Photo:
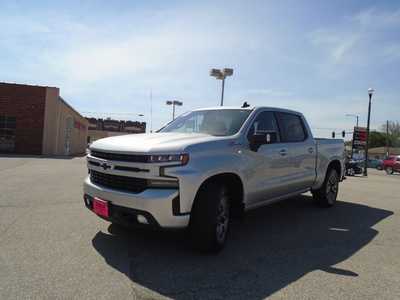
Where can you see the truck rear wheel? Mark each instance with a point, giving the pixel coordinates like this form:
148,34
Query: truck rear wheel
327,194
209,222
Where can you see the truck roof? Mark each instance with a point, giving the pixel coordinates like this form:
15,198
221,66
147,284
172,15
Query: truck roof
249,108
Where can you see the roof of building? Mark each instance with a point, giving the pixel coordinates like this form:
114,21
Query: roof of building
42,86
25,84
382,150
73,109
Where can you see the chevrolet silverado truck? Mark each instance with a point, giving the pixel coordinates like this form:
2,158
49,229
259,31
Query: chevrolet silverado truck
208,166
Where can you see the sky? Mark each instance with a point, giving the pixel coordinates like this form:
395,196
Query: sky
107,57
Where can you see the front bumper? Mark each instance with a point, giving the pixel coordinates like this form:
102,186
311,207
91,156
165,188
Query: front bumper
159,205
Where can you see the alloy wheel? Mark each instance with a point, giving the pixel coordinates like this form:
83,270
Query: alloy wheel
223,215
332,187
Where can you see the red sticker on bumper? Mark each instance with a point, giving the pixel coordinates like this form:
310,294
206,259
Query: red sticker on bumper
100,207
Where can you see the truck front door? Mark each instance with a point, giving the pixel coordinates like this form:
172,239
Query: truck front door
267,167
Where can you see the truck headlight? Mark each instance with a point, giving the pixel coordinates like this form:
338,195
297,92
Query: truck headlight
181,159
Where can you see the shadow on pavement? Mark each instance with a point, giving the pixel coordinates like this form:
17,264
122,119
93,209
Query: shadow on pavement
273,247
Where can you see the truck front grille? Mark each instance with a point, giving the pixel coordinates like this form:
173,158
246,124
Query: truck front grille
120,157
122,183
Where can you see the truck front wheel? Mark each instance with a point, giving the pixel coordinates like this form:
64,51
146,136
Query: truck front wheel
209,222
327,194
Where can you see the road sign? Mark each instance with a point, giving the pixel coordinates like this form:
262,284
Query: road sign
359,137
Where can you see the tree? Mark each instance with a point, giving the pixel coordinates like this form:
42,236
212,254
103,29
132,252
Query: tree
377,139
394,128
394,133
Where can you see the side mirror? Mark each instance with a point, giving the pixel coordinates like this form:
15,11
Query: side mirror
262,138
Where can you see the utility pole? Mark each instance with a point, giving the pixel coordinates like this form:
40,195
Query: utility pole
387,138
151,110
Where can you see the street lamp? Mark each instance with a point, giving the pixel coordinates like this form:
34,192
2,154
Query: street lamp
173,103
353,115
370,93
221,75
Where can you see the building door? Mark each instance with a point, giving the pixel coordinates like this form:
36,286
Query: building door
7,133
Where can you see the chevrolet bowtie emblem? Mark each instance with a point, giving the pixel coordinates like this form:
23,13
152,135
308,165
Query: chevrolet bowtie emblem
105,166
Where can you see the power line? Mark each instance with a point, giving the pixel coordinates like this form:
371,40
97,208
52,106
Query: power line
317,128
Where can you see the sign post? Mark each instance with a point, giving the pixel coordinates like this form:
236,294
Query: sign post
359,139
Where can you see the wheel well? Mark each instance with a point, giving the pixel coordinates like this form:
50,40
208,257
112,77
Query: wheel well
235,188
335,164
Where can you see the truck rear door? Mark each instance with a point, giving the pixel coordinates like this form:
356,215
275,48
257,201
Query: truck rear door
298,147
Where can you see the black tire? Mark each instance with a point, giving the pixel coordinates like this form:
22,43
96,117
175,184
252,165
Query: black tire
389,170
210,218
350,172
327,194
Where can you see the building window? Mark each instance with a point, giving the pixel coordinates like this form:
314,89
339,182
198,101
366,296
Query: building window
7,133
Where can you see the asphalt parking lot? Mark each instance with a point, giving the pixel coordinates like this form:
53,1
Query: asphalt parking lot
51,246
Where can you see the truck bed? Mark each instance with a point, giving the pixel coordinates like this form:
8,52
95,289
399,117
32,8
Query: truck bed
327,150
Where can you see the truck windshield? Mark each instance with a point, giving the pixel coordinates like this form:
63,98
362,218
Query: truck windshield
219,122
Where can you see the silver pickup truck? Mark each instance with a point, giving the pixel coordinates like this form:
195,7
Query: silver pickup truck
209,166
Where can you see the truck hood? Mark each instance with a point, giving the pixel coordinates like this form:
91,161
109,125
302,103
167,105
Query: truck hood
159,143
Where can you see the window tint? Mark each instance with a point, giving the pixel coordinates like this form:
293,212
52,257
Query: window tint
264,122
291,127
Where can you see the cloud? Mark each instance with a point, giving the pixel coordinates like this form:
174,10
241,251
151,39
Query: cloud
107,61
338,45
392,52
268,92
359,39
371,17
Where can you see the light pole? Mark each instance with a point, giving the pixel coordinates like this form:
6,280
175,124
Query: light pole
221,75
173,103
370,93
142,115
352,145
353,115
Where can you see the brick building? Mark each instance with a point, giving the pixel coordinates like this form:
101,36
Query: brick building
101,128
36,120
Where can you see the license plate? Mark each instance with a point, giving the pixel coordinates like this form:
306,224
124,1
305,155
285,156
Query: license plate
100,207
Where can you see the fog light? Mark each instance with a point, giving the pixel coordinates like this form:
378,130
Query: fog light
142,219
87,200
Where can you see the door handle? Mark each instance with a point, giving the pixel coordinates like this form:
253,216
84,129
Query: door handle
283,152
310,150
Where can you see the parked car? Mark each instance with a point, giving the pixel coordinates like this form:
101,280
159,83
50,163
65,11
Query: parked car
209,166
392,164
354,167
375,163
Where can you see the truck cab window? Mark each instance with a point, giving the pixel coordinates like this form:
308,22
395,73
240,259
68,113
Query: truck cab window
292,127
264,122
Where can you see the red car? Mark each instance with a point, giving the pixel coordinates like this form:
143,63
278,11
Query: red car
392,164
